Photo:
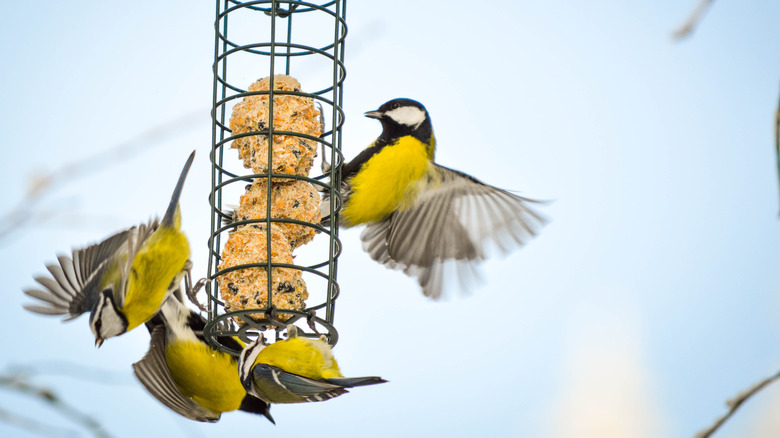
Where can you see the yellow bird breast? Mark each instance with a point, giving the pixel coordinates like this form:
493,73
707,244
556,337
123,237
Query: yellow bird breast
160,260
306,357
386,181
208,377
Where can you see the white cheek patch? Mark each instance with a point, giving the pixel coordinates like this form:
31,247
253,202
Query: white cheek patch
111,323
247,359
408,115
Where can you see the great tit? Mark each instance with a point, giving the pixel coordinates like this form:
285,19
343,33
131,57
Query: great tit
123,280
294,370
419,214
186,374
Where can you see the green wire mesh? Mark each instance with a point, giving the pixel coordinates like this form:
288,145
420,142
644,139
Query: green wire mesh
305,40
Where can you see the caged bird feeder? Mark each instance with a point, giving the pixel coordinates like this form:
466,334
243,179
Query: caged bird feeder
249,286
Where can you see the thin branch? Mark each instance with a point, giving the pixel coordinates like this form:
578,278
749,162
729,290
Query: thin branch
17,383
15,218
734,404
777,138
22,213
33,425
687,28
72,370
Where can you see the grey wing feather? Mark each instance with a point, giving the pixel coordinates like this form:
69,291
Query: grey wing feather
374,238
304,388
453,218
74,283
340,199
89,259
153,373
350,382
43,310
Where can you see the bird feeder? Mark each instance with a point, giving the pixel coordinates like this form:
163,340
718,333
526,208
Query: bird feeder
278,93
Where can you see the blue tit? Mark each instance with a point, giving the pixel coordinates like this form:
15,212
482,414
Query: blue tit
418,214
123,280
186,374
295,370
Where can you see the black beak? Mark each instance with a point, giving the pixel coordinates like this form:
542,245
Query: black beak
374,114
267,415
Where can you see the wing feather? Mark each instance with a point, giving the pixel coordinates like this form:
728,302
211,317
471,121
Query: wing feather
350,382
55,301
74,283
453,218
298,388
65,274
45,310
153,373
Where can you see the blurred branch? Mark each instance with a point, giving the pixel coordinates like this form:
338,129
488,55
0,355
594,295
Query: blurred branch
127,149
33,426
18,383
734,404
687,28
20,215
58,214
73,370
777,139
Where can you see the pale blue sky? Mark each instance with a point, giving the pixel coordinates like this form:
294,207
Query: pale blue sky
650,298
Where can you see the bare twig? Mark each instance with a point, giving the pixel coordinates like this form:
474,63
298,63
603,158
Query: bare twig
127,149
42,184
777,138
734,404
687,28
33,425
72,370
19,384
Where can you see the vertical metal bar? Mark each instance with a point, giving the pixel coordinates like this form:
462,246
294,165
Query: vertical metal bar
341,65
216,175
223,94
212,306
335,172
288,58
269,292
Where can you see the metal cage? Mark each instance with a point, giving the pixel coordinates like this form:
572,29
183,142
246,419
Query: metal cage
269,37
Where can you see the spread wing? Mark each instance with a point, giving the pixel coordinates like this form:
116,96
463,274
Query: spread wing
452,219
275,385
75,282
153,373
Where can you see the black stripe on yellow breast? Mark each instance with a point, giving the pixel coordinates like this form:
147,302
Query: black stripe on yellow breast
350,169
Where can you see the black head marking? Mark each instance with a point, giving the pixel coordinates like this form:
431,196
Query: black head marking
402,117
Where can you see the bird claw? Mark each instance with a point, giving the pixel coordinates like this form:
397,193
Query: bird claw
192,290
310,323
226,325
325,166
281,13
261,339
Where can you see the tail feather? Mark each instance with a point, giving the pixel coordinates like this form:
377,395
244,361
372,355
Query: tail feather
170,214
350,382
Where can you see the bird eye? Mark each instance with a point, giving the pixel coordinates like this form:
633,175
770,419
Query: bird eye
396,105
